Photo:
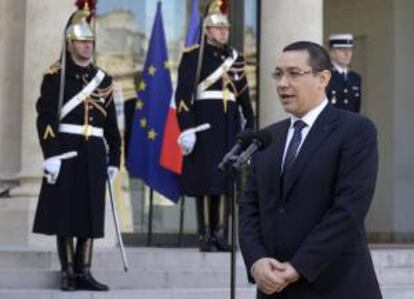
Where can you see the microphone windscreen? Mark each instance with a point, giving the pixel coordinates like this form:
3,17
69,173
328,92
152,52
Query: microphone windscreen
245,137
264,138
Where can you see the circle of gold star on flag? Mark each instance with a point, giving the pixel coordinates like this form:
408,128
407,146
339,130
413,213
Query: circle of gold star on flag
139,105
143,122
152,134
151,70
168,64
142,86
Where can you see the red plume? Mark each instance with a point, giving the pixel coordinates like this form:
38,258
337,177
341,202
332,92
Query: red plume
92,7
224,6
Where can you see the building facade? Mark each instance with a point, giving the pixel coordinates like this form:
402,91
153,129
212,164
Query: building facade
31,34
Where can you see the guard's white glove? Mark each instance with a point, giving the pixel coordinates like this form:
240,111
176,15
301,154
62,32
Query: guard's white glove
186,141
112,173
51,168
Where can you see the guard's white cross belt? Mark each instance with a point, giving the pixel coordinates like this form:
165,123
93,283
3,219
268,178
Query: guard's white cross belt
82,95
218,73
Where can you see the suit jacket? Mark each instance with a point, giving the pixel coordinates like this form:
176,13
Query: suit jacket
313,216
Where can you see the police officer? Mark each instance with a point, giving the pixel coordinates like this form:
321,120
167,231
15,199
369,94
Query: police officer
222,100
344,89
80,142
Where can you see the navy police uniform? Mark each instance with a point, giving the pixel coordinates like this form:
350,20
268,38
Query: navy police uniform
344,91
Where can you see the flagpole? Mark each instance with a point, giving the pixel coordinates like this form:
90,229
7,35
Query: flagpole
181,230
150,216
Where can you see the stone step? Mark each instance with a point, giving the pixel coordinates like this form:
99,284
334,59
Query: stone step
143,258
216,293
396,292
133,279
40,258
393,257
163,278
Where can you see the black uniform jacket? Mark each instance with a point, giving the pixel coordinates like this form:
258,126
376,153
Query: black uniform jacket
200,173
345,93
75,205
313,216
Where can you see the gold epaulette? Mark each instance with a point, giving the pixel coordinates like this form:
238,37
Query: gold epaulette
191,48
54,68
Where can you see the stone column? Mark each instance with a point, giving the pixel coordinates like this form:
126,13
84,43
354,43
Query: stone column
281,23
403,107
12,29
45,21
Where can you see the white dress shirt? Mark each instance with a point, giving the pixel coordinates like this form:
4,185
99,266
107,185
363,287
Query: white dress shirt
309,119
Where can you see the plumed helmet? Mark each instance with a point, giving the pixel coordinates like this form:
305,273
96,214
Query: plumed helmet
78,27
215,15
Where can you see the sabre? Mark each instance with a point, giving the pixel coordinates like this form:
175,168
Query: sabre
116,222
67,155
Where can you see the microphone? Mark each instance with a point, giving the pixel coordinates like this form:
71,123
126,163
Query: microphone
243,139
261,140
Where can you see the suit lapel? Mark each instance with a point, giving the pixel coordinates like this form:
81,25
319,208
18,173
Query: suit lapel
321,129
278,147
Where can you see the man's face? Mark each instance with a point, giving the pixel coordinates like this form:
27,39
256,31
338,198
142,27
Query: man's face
342,56
82,50
218,34
299,88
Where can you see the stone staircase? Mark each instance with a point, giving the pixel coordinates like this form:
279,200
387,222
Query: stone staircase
160,273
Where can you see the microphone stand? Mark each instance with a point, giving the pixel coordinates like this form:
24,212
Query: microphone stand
233,173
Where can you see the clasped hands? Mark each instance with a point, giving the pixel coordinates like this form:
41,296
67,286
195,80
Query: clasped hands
272,276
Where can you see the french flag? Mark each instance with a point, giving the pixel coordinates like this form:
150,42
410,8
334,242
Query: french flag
171,157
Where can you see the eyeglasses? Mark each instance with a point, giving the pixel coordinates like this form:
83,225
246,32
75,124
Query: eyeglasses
291,74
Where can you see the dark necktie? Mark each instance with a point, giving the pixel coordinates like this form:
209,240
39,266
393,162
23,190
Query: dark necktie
292,150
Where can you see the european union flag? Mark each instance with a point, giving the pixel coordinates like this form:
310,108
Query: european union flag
154,95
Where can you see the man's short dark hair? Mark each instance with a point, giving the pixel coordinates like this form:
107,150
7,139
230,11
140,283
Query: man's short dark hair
318,56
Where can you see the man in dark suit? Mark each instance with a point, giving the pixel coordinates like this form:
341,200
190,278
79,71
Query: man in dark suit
344,89
302,216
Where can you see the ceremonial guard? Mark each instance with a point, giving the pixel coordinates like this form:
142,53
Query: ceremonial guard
344,89
221,100
80,141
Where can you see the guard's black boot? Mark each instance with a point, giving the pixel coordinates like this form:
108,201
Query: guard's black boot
87,282
83,259
217,205
65,252
207,243
68,279
220,240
